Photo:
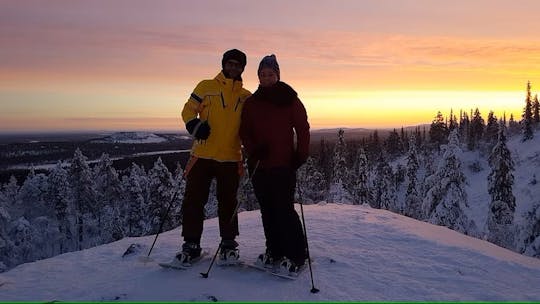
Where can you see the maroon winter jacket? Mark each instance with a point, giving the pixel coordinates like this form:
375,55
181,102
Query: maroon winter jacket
270,118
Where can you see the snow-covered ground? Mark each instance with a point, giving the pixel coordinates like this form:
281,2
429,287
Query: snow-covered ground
360,254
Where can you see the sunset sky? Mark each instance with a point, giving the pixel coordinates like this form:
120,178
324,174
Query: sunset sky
131,65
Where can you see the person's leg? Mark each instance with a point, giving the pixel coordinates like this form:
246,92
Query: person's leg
263,187
227,180
195,197
291,234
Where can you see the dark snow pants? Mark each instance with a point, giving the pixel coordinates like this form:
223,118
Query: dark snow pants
274,189
198,182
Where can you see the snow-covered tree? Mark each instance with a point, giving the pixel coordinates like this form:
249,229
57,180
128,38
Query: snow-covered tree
338,192
311,182
536,110
45,238
11,194
85,199
446,199
527,118
393,144
384,190
109,191
492,130
413,201
178,197
362,191
20,234
438,131
211,207
58,195
502,207
134,209
476,130
162,190
530,233
513,125
5,241
31,196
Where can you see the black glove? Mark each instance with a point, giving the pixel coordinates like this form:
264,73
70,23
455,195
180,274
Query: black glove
199,130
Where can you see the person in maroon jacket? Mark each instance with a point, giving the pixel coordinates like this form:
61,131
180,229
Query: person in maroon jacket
270,119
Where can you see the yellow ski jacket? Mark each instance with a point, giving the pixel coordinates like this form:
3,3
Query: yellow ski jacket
218,101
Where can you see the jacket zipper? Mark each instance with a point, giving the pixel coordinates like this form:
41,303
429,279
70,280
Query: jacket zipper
222,100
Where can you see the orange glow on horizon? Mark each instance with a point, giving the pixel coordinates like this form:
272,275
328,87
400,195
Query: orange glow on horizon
352,66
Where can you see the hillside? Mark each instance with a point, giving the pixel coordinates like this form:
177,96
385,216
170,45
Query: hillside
360,254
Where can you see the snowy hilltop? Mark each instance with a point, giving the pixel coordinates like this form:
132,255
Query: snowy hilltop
359,254
132,138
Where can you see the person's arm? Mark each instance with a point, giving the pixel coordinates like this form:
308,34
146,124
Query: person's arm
301,127
245,129
190,114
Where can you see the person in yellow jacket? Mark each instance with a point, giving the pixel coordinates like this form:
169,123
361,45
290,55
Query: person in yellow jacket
212,116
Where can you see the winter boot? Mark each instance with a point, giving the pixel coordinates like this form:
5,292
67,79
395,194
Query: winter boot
291,268
265,260
190,252
229,254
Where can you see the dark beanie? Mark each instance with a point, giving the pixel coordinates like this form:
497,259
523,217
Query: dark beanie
269,61
234,54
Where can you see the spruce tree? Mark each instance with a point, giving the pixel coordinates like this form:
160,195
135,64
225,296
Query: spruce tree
109,191
503,203
393,144
476,131
530,233
21,236
362,193
85,198
384,190
11,193
5,242
136,196
446,198
340,176
31,200
58,195
311,182
492,130
513,125
527,119
536,111
464,125
161,189
413,201
438,131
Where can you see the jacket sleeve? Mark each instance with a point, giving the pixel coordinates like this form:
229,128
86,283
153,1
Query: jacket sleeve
194,104
245,129
301,127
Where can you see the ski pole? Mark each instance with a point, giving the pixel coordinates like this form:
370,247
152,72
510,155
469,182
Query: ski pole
164,218
313,289
205,274
247,182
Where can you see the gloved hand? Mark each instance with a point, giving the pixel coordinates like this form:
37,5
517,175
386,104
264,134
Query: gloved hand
199,130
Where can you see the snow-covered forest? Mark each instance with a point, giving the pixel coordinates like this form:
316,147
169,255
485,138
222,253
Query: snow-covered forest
475,176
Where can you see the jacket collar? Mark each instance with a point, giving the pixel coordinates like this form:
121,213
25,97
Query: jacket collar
234,83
